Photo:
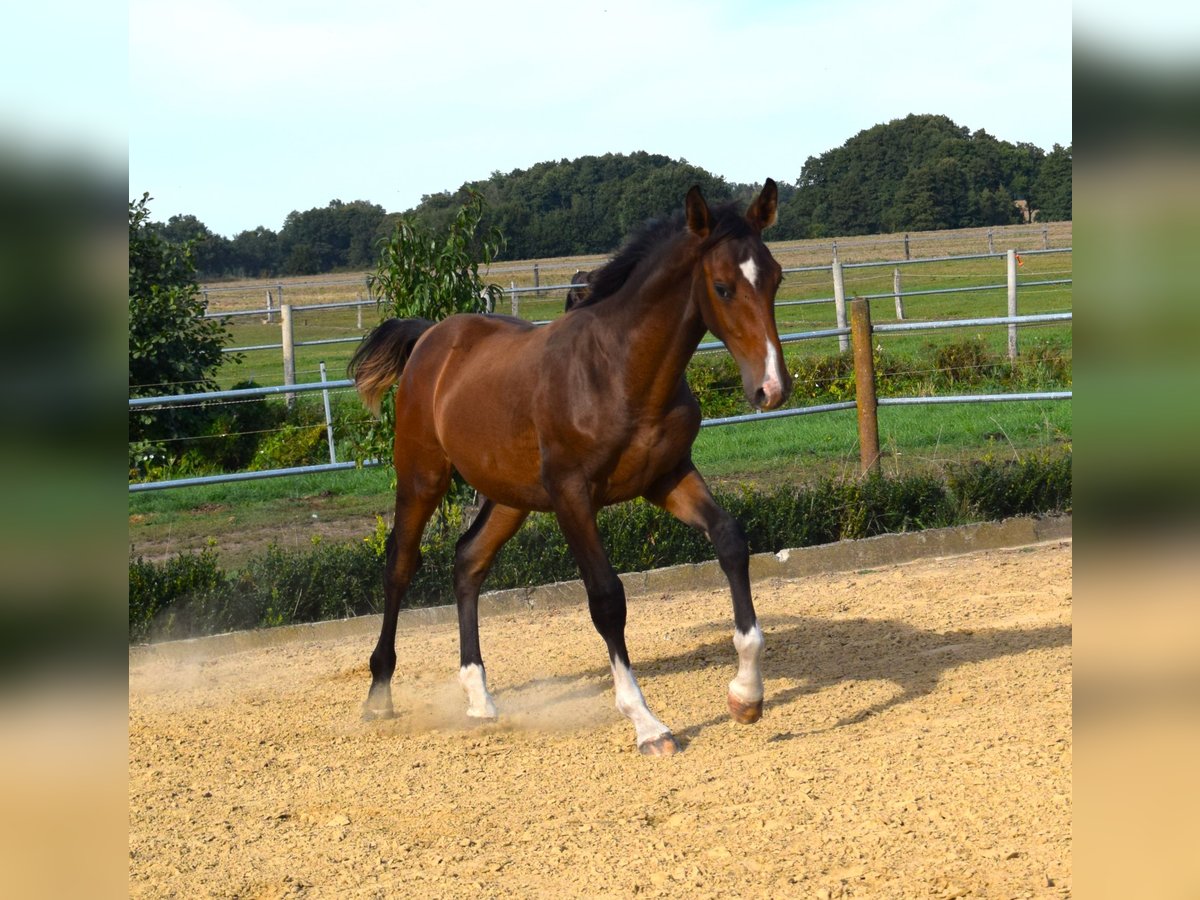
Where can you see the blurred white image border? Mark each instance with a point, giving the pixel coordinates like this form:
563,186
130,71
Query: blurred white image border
1137,642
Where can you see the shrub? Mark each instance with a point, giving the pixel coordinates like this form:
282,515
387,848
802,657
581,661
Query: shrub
292,445
964,363
155,587
1037,483
235,430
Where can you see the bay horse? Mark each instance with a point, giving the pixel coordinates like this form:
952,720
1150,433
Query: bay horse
590,410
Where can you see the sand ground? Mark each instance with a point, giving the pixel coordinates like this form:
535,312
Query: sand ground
916,742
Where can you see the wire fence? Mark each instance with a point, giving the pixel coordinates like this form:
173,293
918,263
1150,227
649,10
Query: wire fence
326,387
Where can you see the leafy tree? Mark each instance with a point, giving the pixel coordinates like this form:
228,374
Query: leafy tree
171,347
211,253
994,207
434,274
1051,192
255,254
586,205
340,235
915,173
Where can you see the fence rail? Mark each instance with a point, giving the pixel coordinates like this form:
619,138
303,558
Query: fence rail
326,386
288,343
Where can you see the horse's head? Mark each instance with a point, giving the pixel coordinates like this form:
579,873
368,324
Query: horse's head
580,285
734,286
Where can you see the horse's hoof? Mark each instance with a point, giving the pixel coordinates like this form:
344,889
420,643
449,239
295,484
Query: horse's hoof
743,712
663,745
371,714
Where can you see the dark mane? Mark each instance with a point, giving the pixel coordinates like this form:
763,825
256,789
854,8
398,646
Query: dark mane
727,224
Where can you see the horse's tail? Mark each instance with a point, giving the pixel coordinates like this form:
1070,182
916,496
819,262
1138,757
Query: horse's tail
377,363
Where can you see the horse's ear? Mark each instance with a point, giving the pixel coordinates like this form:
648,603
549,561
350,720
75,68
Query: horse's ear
698,221
761,213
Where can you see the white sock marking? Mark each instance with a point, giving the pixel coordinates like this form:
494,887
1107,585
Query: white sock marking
479,701
632,704
750,270
747,686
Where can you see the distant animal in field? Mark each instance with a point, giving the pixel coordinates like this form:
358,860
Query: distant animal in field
580,286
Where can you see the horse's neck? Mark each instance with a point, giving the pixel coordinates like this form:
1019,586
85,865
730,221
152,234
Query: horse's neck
661,329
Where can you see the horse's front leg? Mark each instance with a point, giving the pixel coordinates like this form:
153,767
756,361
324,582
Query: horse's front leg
684,494
606,603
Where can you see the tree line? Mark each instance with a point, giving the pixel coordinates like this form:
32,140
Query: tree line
919,173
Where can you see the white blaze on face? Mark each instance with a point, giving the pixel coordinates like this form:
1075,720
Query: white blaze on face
479,701
632,704
748,685
772,373
750,270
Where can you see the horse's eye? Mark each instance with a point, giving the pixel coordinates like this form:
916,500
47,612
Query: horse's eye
722,290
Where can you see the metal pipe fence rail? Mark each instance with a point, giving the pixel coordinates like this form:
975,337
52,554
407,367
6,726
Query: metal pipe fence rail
326,386
515,293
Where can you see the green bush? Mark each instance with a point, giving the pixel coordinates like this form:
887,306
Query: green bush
235,430
180,582
1037,483
292,445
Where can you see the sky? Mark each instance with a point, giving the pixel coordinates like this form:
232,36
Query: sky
241,112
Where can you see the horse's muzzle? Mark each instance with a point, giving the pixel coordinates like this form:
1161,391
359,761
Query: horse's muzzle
772,393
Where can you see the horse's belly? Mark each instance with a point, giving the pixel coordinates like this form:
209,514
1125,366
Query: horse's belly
510,475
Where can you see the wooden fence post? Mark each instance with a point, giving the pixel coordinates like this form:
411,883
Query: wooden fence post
991,242
289,351
906,253
512,285
1012,302
896,291
839,304
864,386
537,280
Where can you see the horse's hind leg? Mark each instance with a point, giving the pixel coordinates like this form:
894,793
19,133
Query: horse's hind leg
473,558
685,495
416,499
